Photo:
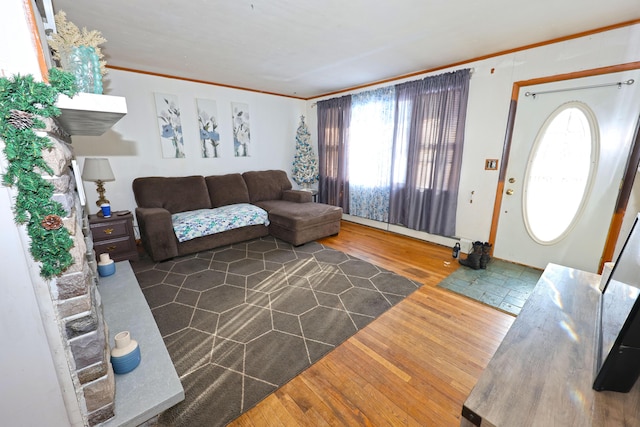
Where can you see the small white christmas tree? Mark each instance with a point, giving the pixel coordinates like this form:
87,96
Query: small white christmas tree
305,163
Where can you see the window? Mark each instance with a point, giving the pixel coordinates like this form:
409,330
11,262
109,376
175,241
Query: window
404,152
560,171
370,153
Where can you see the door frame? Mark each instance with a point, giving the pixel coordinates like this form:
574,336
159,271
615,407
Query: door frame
630,169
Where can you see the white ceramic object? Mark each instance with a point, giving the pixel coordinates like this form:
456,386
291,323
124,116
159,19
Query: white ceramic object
124,344
105,259
106,266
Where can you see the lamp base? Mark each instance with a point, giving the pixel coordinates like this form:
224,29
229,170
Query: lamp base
102,201
100,188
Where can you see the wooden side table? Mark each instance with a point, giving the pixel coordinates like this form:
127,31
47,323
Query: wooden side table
114,236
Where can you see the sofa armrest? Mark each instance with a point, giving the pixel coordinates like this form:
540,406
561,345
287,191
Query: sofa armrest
298,196
156,233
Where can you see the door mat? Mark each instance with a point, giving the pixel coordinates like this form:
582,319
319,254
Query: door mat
502,285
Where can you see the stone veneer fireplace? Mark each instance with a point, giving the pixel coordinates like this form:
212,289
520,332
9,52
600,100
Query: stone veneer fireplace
75,295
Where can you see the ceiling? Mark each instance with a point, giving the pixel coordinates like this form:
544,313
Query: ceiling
305,48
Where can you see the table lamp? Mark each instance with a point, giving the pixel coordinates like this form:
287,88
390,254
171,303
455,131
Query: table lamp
98,171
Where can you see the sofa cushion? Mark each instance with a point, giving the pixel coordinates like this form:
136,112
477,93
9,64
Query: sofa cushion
227,189
266,185
175,194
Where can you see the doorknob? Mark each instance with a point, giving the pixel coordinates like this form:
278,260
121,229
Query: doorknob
509,192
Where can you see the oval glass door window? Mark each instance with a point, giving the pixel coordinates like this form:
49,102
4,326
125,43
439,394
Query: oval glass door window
560,172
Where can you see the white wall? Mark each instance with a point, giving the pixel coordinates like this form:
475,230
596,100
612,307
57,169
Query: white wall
32,393
134,149
18,55
27,368
133,144
489,99
489,104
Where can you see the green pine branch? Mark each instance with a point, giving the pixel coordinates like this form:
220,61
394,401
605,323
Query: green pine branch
23,151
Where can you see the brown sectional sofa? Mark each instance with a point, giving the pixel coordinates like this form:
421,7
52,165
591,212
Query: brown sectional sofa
293,217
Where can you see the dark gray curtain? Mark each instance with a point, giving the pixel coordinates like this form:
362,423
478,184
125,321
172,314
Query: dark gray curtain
429,135
334,116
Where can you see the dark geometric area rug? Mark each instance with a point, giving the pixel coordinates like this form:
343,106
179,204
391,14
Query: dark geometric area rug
503,285
242,320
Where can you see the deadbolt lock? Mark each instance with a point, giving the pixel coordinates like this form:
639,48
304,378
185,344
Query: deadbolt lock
512,180
510,192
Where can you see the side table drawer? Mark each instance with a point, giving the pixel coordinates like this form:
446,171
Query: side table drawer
109,230
116,248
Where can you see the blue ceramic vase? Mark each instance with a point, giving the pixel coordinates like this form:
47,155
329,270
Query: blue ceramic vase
106,266
125,356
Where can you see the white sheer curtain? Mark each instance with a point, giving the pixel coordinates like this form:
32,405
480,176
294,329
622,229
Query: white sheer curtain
370,145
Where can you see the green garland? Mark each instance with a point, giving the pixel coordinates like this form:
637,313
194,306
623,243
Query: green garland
22,101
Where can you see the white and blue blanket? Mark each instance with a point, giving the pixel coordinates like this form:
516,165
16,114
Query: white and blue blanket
203,222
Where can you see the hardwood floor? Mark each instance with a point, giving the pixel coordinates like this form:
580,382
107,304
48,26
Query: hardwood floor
413,366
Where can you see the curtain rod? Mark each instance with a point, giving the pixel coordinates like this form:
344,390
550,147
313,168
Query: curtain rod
619,84
471,71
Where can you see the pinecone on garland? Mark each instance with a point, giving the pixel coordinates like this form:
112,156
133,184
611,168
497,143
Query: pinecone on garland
20,119
51,222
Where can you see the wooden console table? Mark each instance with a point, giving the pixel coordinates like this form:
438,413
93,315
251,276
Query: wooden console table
542,373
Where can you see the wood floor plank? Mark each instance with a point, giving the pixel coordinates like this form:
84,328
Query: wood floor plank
344,411
370,401
379,378
413,366
412,258
316,411
277,411
431,366
310,414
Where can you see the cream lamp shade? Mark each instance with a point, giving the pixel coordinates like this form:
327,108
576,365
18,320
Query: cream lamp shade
99,171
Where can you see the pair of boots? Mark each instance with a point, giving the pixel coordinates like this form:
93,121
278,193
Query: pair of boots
479,256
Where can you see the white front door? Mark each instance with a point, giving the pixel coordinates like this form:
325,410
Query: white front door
568,154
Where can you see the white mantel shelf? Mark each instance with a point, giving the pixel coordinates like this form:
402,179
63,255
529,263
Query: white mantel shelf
90,114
